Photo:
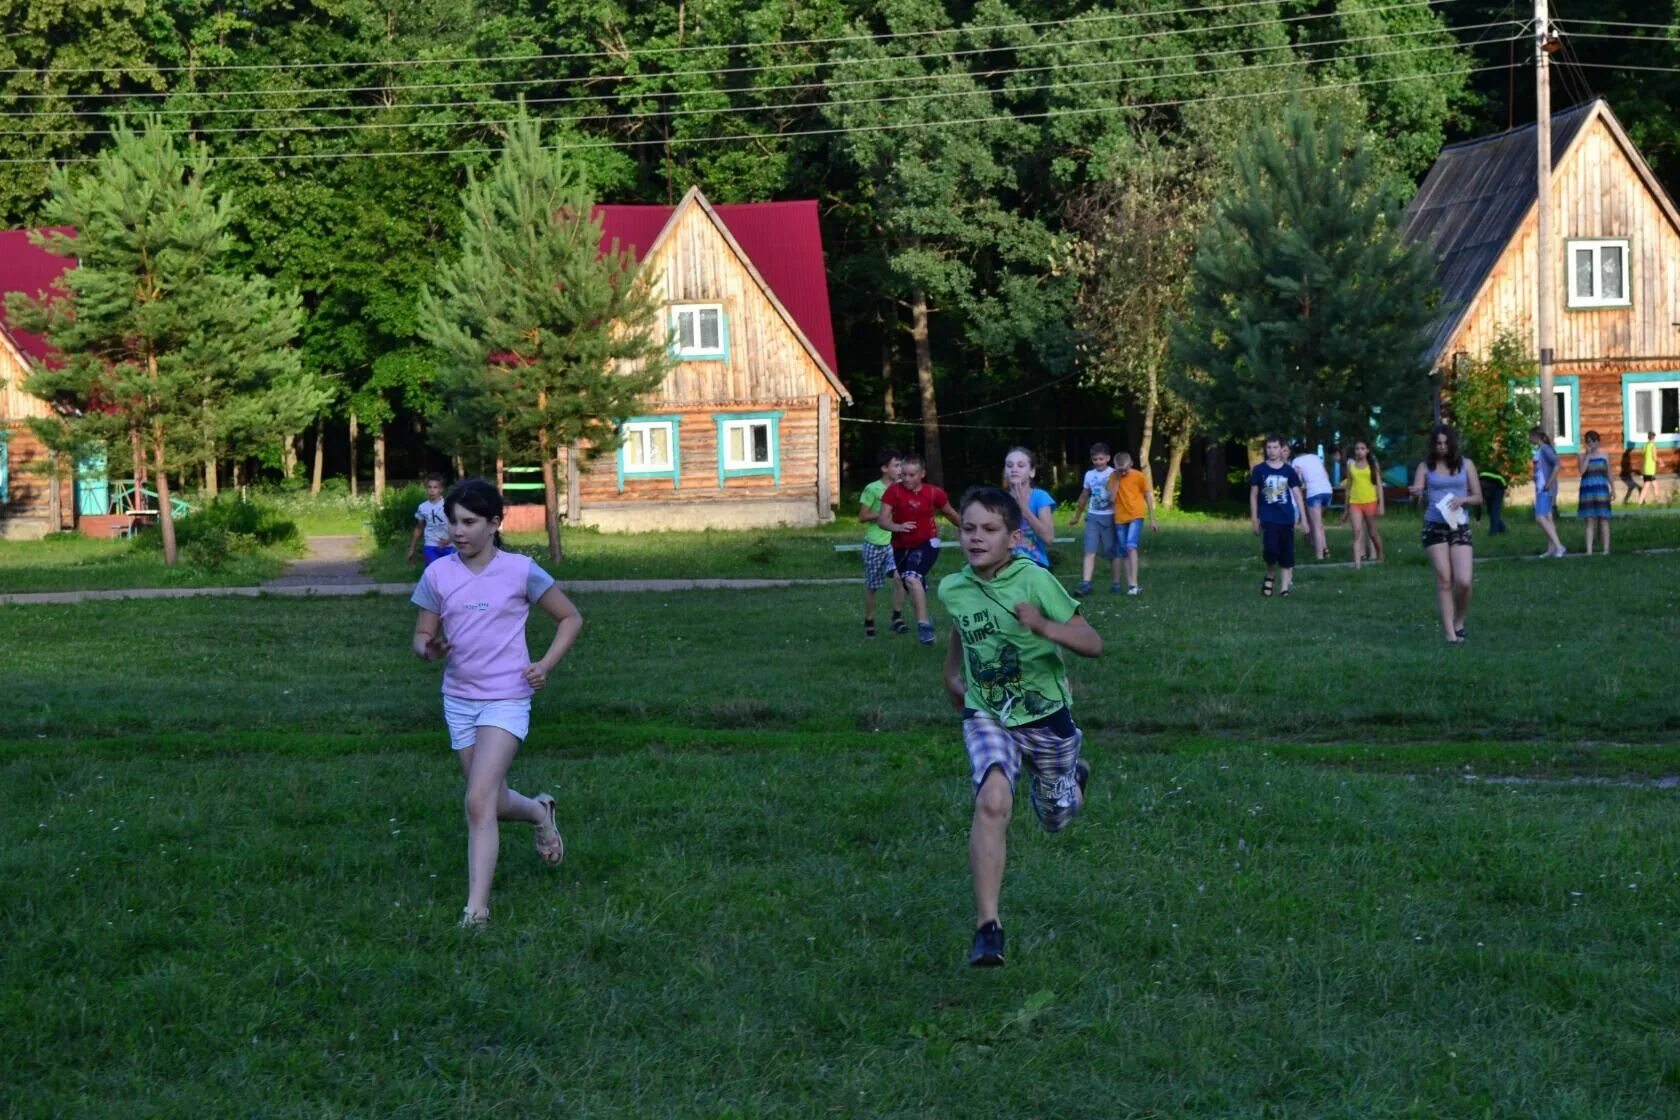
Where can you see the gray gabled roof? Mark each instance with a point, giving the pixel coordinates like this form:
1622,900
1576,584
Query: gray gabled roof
1473,202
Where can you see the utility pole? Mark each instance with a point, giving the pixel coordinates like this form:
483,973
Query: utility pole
1543,214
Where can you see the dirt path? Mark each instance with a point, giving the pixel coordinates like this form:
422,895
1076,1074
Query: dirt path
330,561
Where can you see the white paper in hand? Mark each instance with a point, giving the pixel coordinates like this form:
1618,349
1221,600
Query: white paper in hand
1454,518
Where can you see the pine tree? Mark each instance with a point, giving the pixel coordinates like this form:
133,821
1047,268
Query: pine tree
1308,313
548,342
158,339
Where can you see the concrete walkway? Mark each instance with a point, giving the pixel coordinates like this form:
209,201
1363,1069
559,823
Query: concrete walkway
333,567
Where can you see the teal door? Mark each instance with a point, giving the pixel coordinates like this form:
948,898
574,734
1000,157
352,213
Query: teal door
93,488
5,467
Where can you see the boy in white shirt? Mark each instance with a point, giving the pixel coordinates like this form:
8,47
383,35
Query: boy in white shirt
1096,505
431,524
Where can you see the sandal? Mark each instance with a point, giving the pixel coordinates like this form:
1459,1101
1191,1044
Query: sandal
1266,587
550,846
474,921
1284,594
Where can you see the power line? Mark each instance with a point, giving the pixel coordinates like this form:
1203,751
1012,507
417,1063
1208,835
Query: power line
796,86
716,71
632,52
783,136
980,91
1617,23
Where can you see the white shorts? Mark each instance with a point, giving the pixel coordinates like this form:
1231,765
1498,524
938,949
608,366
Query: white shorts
465,717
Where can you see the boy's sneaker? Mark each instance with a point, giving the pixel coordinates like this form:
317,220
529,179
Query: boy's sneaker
924,633
1084,588
899,626
987,951
869,627
1115,587
1133,589
1081,775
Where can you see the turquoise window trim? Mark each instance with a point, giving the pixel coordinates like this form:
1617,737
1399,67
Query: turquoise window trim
721,354
773,468
1633,439
1573,384
673,472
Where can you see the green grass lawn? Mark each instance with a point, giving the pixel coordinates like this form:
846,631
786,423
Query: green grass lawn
68,562
1329,866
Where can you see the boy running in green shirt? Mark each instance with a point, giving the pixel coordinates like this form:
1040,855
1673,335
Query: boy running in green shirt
877,547
1010,620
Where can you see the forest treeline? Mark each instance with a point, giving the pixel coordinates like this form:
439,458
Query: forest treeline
1010,193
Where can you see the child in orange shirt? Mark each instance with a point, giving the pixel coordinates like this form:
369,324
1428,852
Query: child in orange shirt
1133,501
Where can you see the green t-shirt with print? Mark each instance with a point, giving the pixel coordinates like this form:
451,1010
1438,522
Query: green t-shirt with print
870,500
1013,674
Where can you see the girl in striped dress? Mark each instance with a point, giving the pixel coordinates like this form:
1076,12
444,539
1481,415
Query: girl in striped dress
1597,491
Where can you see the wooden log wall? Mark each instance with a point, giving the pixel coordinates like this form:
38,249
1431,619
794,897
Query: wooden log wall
30,485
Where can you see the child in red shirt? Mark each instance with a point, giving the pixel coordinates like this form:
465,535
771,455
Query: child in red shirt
910,511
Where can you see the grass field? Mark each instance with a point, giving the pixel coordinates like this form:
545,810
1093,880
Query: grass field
1329,866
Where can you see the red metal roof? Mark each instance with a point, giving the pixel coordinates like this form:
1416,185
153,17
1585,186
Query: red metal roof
782,239
27,268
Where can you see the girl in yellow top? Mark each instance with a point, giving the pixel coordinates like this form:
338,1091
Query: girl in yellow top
1365,503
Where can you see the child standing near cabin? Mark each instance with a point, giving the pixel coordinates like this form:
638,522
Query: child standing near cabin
1133,501
1096,505
1010,620
910,511
1275,504
473,607
431,528
877,547
1038,508
1598,492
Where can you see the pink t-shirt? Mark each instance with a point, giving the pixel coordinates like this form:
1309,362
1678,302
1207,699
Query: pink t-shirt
484,622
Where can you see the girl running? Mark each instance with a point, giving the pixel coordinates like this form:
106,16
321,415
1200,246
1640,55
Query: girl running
1038,516
1365,503
1598,492
1447,481
481,596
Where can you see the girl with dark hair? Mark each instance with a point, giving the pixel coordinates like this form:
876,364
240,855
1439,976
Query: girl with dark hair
1447,483
473,607
1365,503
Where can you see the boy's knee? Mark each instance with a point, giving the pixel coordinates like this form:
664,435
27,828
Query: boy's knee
995,801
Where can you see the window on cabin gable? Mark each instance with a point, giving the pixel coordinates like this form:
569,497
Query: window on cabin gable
697,330
1598,274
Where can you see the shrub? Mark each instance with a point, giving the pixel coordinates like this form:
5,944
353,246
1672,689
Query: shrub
393,521
219,526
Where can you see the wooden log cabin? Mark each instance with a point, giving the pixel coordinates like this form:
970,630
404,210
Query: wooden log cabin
1616,273
26,506
745,429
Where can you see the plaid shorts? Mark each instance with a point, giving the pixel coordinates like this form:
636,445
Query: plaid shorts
877,565
1048,751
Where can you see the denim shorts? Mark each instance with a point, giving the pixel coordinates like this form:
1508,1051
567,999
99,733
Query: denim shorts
1544,503
1318,501
1099,534
434,552
465,717
915,563
1127,535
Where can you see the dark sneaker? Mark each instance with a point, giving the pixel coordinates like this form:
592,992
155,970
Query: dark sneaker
869,627
1084,588
924,633
899,626
1115,588
987,951
1081,775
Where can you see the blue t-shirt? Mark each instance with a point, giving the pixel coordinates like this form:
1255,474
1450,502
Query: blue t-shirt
1031,546
1277,507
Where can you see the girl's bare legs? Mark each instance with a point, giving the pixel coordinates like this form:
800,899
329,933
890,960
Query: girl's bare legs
1441,563
1315,518
489,801
1463,564
1374,535
1549,527
1358,521
1605,522
1592,525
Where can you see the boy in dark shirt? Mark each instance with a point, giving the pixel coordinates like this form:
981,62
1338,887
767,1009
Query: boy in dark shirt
1275,505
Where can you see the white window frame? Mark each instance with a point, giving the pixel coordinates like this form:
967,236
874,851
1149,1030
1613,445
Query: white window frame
678,311
730,463
639,433
1634,432
1565,438
1597,246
